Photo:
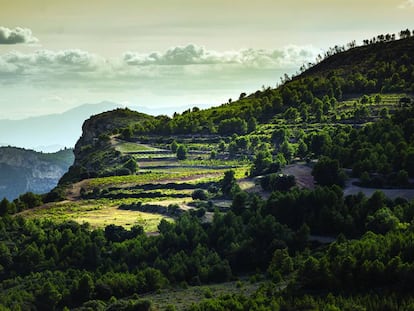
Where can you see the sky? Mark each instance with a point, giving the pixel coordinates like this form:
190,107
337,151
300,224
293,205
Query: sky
56,55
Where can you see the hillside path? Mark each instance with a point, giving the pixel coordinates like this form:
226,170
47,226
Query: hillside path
73,191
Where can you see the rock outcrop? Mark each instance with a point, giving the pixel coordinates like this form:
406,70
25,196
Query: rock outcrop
24,170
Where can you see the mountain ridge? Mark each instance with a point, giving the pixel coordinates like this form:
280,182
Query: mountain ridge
306,92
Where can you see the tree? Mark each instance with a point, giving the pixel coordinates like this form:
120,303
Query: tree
127,133
232,125
261,162
291,114
199,194
382,221
327,172
4,207
402,178
251,124
228,181
132,165
48,297
278,182
240,202
365,99
233,149
287,150
85,288
302,149
30,200
384,113
182,152
280,135
6,258
222,146
378,99
213,154
320,143
174,146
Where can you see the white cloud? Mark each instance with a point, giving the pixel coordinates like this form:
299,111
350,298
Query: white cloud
406,4
189,76
194,64
43,59
16,35
196,55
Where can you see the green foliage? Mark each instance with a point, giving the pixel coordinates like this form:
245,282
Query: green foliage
46,265
28,200
291,114
287,150
228,182
302,149
277,182
7,207
327,172
232,125
174,146
261,163
127,133
131,165
240,202
199,194
182,152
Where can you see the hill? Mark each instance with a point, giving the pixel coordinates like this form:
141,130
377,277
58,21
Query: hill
24,170
340,89
258,190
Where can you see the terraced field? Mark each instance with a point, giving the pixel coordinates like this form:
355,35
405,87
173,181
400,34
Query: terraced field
161,182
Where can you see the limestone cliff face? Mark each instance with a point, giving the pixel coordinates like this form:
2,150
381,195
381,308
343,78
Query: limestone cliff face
105,123
94,154
26,170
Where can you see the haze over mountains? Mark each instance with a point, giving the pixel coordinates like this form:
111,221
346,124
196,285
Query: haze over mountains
26,170
50,133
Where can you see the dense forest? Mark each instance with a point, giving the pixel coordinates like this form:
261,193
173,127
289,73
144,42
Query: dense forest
350,116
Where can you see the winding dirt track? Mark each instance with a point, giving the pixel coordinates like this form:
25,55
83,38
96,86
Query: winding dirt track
73,192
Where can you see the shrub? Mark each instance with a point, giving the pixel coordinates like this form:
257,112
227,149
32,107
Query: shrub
181,152
199,194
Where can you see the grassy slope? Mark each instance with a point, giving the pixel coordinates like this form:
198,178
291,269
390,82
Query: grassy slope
101,212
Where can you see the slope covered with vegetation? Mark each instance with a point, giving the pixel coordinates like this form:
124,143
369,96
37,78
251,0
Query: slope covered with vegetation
229,212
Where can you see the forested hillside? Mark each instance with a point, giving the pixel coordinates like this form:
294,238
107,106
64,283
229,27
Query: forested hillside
293,198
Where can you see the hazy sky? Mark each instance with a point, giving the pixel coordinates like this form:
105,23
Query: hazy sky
55,55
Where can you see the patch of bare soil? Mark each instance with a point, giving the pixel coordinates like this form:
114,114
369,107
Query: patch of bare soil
302,173
251,185
73,191
390,193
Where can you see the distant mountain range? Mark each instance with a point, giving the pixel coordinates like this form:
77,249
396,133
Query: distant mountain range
24,170
52,132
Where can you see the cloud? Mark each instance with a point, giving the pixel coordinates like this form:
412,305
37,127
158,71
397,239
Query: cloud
52,62
192,63
197,55
16,35
406,4
47,58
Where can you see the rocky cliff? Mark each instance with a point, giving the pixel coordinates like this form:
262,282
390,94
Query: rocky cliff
24,170
94,154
